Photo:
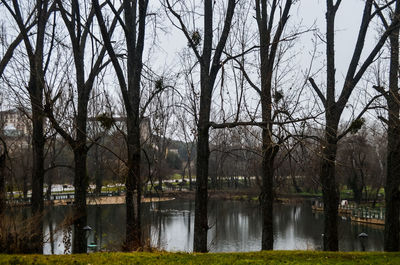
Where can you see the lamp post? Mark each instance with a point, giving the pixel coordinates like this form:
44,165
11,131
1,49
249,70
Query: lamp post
87,230
363,238
91,246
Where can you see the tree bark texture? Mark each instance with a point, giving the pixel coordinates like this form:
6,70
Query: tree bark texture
79,244
37,203
133,189
329,189
203,153
392,193
81,181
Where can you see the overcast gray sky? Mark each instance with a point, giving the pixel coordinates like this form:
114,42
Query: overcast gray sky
306,13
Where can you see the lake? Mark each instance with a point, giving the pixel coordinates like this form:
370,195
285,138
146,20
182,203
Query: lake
235,226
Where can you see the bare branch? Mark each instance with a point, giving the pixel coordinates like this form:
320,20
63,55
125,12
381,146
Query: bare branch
317,90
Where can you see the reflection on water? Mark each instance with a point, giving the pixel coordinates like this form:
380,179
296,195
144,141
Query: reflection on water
235,226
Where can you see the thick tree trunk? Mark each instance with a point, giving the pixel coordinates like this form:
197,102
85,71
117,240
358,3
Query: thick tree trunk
38,142
267,193
200,218
203,154
133,189
329,148
329,190
80,211
268,157
392,193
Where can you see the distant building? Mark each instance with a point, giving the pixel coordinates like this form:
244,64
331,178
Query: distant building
14,123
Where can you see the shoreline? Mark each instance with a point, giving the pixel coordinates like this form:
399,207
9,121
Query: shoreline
110,200
167,195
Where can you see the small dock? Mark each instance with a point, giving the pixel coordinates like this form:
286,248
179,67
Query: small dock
363,215
369,216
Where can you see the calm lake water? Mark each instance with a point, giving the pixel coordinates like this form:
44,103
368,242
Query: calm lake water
235,226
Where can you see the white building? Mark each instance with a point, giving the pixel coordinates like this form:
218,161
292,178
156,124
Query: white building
15,123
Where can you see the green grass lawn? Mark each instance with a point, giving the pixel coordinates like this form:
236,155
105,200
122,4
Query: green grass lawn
265,257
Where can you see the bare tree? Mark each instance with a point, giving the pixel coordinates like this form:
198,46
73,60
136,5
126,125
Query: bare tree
392,185
134,26
334,108
268,51
210,64
35,50
79,33
271,28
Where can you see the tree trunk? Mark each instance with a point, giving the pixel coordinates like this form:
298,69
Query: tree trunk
133,189
38,142
200,218
80,213
392,193
267,193
329,148
329,190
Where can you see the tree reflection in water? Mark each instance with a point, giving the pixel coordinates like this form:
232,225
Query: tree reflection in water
234,226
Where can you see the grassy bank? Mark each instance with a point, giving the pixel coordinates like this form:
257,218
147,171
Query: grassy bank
265,257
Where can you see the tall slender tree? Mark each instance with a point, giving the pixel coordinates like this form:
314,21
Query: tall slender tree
80,34
134,27
269,44
210,64
271,25
35,46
